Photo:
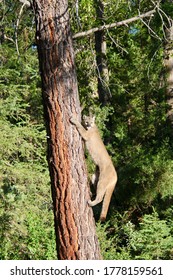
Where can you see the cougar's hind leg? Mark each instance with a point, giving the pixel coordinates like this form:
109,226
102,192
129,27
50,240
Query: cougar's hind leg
106,202
99,195
97,200
95,177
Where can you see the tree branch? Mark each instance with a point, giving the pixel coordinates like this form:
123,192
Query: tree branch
9,39
27,3
112,25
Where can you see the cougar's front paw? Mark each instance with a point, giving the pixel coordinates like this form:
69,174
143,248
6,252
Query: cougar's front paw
90,203
73,120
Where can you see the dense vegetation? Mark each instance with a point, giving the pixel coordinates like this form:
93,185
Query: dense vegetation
133,124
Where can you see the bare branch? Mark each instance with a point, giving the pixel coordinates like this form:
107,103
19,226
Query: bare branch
116,43
112,25
9,39
77,13
27,3
151,31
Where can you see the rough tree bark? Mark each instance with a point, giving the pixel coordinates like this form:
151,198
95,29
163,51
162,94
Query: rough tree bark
74,224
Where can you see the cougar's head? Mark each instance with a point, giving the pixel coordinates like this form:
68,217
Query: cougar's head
89,121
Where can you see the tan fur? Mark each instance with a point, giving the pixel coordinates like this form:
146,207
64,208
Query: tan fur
107,174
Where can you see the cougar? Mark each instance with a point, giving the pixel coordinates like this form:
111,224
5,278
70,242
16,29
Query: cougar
107,175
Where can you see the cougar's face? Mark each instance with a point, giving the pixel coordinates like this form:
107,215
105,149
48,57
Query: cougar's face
88,121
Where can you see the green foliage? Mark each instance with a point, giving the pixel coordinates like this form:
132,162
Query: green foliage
111,243
150,239
41,238
153,240
26,217
27,231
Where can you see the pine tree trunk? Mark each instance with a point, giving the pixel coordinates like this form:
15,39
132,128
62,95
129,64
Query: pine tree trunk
74,224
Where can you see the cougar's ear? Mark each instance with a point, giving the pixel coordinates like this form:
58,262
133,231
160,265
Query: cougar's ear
93,118
82,108
91,113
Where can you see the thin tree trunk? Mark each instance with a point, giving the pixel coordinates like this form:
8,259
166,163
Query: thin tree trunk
169,70
74,224
101,60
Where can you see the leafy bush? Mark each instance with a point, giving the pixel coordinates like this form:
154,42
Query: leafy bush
150,239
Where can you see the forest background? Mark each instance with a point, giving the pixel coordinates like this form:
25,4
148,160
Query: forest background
134,125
